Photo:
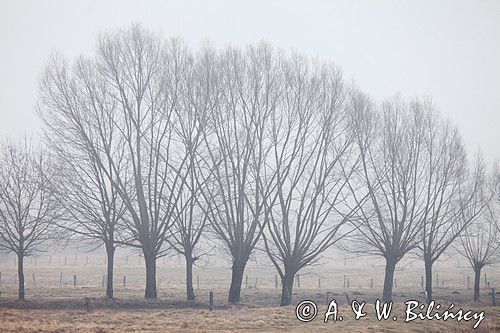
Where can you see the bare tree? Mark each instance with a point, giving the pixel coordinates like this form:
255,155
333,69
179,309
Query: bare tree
128,100
480,244
241,100
28,208
391,143
144,74
74,130
310,162
450,189
191,219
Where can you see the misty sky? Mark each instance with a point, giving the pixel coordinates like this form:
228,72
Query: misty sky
448,50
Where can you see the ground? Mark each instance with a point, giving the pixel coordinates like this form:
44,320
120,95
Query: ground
219,320
59,307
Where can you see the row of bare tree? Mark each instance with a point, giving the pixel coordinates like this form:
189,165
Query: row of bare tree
152,146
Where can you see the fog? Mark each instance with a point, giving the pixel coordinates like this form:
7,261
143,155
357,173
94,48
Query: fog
447,50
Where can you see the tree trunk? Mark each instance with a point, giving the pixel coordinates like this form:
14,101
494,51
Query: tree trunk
390,267
477,280
110,251
189,278
428,279
287,288
20,273
238,269
150,276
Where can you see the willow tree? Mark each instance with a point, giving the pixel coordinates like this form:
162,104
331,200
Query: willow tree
144,75
28,207
129,93
312,157
191,219
242,96
480,244
454,192
77,126
391,145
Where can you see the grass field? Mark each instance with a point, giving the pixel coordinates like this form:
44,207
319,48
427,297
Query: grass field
58,307
239,318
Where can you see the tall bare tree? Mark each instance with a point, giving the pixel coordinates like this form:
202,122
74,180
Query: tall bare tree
130,93
191,219
391,144
310,162
480,244
144,75
75,131
28,208
241,101
454,194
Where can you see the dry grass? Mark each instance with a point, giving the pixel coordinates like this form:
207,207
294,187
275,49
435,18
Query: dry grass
53,307
231,319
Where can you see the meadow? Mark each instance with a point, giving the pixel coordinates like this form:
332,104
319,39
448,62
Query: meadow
56,304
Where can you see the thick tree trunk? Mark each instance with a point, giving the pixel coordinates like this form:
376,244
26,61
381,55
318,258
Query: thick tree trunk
287,288
110,251
189,279
238,269
477,280
428,279
390,267
20,273
150,291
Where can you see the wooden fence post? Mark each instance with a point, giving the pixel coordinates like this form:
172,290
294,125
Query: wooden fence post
347,283
124,281
211,300
275,281
493,297
86,302
60,279
371,283
327,297
468,282
319,283
348,298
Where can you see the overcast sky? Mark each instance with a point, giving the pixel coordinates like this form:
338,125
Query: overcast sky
448,50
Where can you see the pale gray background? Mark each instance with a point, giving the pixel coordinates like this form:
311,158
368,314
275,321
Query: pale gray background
449,50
